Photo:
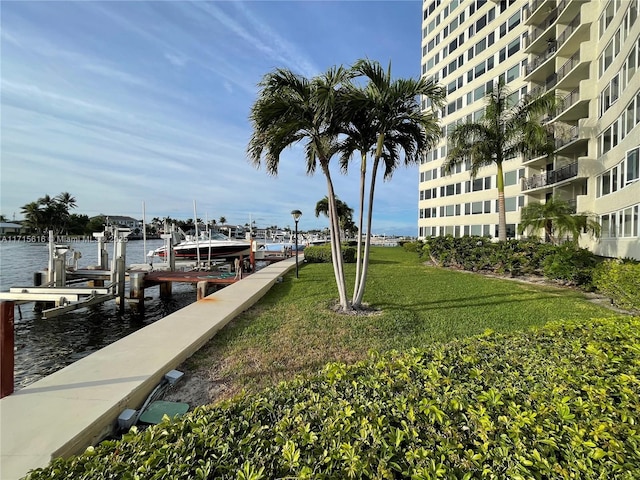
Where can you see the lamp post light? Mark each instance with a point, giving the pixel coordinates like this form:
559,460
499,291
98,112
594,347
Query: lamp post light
296,214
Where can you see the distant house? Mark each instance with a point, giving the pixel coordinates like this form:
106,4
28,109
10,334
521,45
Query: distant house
121,221
7,228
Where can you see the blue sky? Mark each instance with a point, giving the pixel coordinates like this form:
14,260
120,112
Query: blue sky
123,103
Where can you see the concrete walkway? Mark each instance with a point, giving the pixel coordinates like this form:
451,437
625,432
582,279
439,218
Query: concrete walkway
78,406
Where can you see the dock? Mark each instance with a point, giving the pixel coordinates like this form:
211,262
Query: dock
78,406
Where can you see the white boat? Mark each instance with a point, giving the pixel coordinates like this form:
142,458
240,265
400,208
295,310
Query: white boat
210,245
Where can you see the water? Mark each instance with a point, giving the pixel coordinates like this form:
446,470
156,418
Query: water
43,346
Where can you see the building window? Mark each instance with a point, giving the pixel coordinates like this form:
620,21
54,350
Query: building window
514,20
513,47
632,166
503,30
481,46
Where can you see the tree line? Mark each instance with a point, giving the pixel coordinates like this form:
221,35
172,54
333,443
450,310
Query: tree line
54,213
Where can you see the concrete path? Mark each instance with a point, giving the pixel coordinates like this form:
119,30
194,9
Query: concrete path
78,406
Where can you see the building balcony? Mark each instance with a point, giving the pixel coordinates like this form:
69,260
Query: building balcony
542,34
568,8
574,69
570,38
550,178
541,66
572,142
538,10
575,105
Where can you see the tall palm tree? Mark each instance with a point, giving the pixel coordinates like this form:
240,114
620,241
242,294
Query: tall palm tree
66,199
385,119
503,132
33,216
291,109
344,211
557,219
65,202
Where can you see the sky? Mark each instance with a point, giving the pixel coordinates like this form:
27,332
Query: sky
143,106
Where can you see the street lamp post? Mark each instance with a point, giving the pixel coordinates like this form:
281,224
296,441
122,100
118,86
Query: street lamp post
296,214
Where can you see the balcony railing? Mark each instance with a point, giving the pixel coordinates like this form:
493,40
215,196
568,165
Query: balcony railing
549,178
566,33
533,6
542,89
569,65
540,59
572,134
568,101
562,4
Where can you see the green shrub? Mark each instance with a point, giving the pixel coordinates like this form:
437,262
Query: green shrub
412,247
620,281
557,403
514,257
322,254
570,264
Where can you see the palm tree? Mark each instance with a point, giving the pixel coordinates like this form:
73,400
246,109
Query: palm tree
557,219
65,202
291,109
66,199
385,119
345,213
33,216
502,133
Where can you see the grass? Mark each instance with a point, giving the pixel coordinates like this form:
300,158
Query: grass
293,330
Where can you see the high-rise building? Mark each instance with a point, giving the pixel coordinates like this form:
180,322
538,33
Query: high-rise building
588,53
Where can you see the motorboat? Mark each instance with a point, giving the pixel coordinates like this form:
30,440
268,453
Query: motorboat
207,245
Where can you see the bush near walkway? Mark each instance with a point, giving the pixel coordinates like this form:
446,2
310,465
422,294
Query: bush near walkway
565,263
620,281
322,254
558,403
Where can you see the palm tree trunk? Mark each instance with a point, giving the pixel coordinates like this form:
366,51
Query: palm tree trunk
502,217
363,174
336,252
359,295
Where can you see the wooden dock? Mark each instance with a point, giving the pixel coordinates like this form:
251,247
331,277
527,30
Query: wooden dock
216,278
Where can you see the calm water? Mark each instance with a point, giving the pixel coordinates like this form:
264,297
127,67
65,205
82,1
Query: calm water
45,346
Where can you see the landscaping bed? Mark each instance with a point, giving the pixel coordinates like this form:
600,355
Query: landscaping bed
558,402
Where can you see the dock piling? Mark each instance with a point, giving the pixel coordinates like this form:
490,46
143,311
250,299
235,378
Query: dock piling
136,291
202,289
7,340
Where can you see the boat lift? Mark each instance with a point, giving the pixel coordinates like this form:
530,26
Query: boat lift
60,286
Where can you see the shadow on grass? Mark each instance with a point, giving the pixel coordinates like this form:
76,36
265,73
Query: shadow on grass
375,261
474,301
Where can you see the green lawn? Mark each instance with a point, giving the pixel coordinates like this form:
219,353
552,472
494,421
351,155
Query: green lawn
293,330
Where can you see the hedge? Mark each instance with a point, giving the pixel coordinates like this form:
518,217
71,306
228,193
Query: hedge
557,403
620,281
322,254
564,263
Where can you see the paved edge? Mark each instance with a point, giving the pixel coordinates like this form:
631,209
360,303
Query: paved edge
78,406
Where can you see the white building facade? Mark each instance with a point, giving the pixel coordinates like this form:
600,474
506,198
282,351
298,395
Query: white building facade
588,52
